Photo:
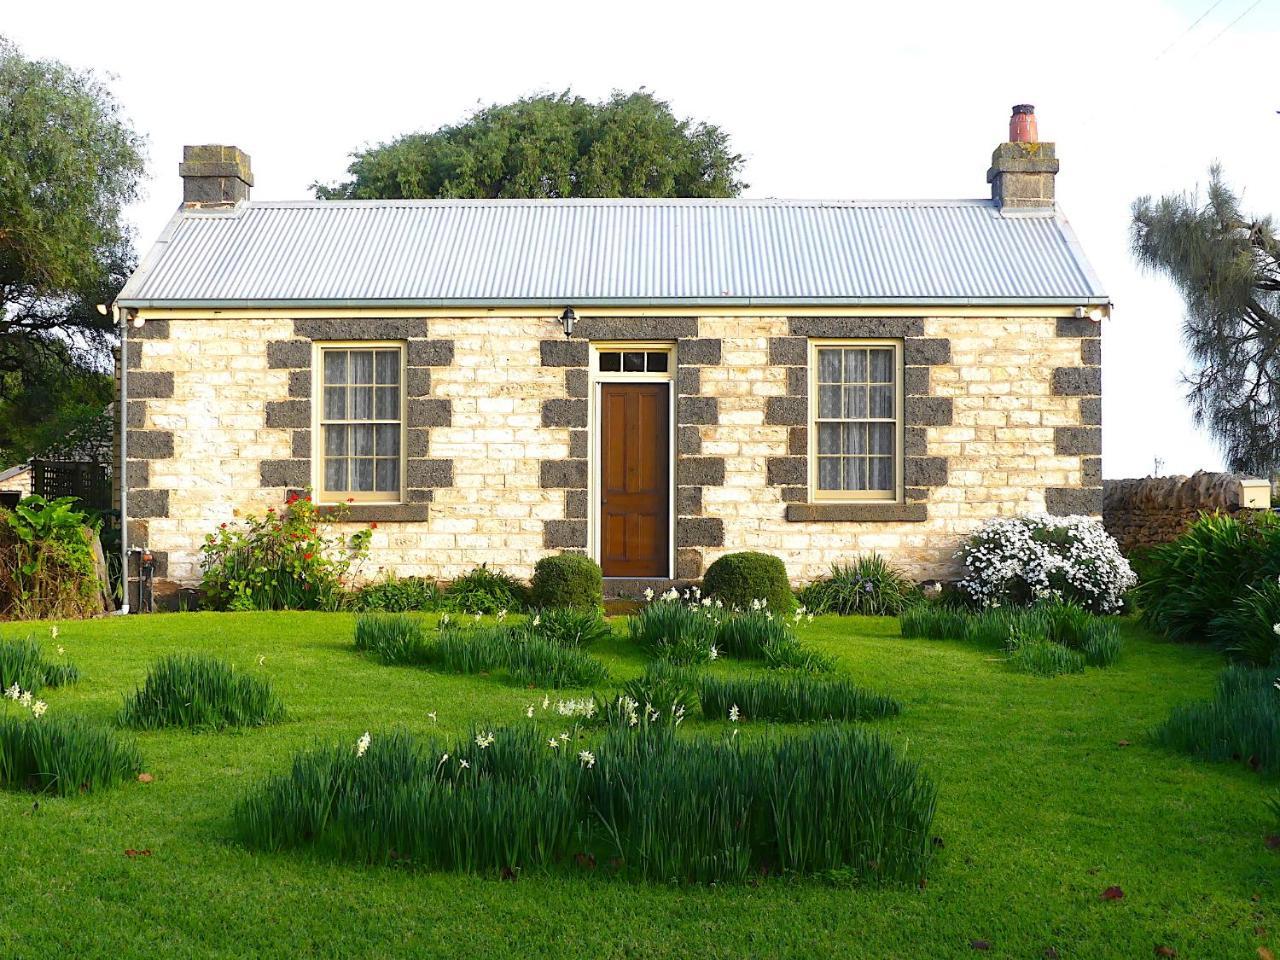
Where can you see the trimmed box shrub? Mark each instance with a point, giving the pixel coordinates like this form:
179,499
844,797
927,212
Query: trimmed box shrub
736,579
567,580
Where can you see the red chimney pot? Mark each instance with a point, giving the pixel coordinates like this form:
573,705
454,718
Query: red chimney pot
1022,125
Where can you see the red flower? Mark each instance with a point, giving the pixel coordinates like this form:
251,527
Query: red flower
373,526
271,509
306,556
223,527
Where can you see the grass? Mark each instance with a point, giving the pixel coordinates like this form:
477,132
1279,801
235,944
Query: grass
1039,808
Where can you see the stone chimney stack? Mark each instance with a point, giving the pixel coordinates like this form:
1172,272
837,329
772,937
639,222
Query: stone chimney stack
214,175
1023,169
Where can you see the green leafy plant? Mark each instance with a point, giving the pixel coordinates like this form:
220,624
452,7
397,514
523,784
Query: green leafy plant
46,561
286,560
487,591
534,660
791,698
736,579
398,595
64,755
1200,575
1240,723
570,626
391,637
567,580
199,691
22,663
870,586
1246,629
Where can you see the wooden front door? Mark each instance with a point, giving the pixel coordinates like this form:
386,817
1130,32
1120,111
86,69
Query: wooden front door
635,479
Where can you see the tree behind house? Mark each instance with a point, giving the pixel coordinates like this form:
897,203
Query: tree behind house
550,146
1227,268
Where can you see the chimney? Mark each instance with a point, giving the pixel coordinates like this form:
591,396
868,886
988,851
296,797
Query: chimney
214,175
1022,170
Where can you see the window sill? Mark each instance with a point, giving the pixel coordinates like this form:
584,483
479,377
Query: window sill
857,512
378,512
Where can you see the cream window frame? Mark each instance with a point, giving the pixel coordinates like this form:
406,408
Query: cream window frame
855,496
318,423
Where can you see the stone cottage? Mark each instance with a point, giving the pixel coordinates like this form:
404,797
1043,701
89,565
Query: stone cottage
651,382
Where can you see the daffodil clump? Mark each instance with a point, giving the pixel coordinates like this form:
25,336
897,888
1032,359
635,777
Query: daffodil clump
22,662
63,755
791,698
200,691
541,650
651,805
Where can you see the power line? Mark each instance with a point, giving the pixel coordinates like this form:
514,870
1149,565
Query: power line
1195,23
1247,11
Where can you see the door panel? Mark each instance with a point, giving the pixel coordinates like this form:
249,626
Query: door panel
635,479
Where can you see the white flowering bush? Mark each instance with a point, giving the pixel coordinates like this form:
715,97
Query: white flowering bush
1023,560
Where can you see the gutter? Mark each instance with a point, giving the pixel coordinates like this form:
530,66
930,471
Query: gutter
589,302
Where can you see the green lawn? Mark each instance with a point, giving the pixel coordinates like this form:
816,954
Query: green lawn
1039,807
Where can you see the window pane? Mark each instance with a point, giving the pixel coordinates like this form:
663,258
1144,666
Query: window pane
610,362
388,405
829,437
335,474
361,403
335,403
335,366
828,473
387,475
882,366
362,475
855,437
633,362
855,401
881,437
828,366
855,366
335,441
362,366
855,473
362,441
658,362
388,364
882,401
881,473
828,401
387,440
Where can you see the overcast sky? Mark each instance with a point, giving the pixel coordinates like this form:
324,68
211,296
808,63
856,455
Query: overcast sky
840,100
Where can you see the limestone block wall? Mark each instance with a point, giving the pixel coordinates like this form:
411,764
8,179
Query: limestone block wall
1149,511
1002,417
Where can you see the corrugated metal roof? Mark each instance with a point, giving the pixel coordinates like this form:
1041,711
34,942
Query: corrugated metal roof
583,252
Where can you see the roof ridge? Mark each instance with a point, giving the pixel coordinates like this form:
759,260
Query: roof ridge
605,202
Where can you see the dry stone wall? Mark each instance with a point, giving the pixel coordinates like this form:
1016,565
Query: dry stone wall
1002,418
1149,511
